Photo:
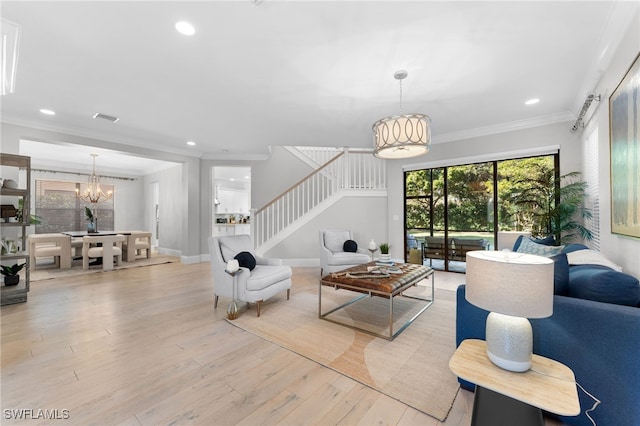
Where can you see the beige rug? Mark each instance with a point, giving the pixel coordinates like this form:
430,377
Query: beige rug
47,272
413,368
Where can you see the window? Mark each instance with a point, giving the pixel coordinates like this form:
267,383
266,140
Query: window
56,203
451,210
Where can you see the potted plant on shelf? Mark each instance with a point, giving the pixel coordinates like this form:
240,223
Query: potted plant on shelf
10,273
384,253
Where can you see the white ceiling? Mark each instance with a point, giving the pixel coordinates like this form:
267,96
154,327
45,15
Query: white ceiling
315,73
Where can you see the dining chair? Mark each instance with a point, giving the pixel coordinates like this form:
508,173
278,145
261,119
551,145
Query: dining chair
57,246
134,244
108,247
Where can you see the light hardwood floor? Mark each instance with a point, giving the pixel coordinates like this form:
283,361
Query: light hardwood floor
144,346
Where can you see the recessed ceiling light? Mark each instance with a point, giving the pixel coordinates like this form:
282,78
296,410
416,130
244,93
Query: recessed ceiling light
191,143
47,111
532,101
185,28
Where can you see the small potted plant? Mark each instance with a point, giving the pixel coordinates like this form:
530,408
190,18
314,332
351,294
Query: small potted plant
10,273
384,253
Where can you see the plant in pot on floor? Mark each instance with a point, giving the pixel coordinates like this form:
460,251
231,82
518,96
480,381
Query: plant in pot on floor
10,273
384,253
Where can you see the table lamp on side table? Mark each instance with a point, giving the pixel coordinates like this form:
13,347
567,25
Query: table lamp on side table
513,287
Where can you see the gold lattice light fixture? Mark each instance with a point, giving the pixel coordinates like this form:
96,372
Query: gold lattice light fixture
404,135
93,193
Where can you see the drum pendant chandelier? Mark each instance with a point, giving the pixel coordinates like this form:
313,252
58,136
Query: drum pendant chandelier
404,135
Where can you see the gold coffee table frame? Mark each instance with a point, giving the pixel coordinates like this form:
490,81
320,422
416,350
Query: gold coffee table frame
389,288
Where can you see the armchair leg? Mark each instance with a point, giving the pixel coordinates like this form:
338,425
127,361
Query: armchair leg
215,301
258,306
288,293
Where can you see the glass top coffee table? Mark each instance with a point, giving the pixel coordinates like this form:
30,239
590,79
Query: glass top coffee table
375,283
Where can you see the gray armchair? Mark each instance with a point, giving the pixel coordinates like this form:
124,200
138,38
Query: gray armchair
332,256
253,286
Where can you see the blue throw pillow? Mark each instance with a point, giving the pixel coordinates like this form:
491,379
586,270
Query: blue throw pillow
246,260
546,241
570,248
560,274
530,247
602,284
350,246
549,240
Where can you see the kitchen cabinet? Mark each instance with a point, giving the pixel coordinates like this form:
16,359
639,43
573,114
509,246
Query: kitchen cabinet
233,201
223,229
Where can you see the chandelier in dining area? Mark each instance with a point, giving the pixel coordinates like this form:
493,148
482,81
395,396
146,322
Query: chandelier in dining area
93,193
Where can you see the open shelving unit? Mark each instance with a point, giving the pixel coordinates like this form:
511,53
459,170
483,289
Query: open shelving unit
18,293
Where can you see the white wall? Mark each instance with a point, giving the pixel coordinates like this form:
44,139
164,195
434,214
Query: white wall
272,177
625,251
365,216
171,207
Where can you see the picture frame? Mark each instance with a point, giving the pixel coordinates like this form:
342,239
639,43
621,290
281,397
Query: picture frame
624,145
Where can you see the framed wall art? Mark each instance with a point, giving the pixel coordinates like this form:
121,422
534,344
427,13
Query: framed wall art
624,119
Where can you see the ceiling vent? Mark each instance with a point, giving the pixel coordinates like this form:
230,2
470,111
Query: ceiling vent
110,118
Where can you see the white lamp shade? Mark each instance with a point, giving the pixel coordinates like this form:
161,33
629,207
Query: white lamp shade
402,136
510,283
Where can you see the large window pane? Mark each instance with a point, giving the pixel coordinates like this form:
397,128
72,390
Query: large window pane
525,195
450,211
56,203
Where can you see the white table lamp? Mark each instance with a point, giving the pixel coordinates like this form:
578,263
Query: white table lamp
513,287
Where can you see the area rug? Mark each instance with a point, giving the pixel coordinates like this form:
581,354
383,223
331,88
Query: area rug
413,368
48,272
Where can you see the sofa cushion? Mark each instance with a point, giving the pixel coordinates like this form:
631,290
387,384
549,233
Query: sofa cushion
246,260
530,247
602,284
350,246
232,245
334,240
573,247
591,257
560,274
346,258
264,276
546,241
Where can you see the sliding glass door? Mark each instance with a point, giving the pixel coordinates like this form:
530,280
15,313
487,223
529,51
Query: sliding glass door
450,211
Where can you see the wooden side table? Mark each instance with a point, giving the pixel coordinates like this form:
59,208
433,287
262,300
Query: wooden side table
504,398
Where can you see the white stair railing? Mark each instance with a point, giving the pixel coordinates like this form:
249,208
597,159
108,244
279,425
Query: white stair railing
348,170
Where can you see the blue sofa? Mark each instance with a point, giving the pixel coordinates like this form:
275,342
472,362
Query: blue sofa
599,341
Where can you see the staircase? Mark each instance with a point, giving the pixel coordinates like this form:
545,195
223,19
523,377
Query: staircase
343,173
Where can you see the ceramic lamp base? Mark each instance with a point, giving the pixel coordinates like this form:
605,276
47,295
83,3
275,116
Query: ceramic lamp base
509,342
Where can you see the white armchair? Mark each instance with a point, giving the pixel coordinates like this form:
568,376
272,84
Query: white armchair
332,256
265,280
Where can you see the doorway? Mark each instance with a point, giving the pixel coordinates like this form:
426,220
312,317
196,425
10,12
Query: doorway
231,205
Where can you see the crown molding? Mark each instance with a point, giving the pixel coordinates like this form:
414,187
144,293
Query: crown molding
511,126
116,139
